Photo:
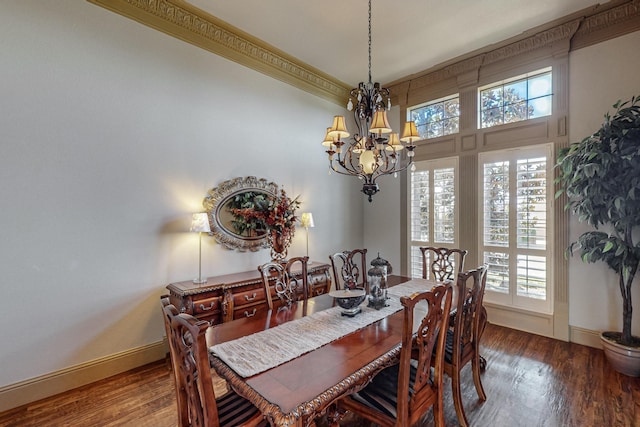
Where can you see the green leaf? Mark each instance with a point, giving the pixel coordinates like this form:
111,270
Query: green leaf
608,246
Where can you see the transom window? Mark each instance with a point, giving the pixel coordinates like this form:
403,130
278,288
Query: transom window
437,118
520,98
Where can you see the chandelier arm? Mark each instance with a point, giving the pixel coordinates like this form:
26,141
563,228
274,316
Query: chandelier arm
380,172
338,171
403,168
352,171
354,166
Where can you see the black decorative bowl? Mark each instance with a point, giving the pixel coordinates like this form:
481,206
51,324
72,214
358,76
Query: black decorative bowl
349,300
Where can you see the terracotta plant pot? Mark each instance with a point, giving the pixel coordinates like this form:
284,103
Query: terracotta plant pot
623,359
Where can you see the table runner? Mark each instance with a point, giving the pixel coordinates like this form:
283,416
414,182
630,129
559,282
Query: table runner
264,350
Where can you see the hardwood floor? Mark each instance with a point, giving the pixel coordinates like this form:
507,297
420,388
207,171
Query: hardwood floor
530,381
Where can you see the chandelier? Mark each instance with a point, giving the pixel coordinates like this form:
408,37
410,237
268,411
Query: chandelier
375,150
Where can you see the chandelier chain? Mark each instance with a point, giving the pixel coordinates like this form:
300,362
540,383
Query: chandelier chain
370,153
370,41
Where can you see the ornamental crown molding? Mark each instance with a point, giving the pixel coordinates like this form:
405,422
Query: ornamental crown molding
610,17
180,19
613,22
186,22
537,41
575,32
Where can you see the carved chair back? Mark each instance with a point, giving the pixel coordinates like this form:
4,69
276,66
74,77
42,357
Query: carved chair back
197,403
168,312
288,287
349,269
463,337
442,264
401,394
429,339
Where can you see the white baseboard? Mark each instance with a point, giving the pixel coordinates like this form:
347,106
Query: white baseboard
14,395
522,320
585,337
542,324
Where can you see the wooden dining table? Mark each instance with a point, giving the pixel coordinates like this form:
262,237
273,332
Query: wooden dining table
299,390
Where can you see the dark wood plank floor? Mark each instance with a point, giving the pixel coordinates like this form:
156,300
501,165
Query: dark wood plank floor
530,381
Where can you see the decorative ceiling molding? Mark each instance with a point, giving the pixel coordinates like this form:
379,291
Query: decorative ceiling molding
617,21
180,19
574,33
542,39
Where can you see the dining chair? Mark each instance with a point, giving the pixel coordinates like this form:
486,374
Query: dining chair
168,311
349,269
197,403
288,287
442,263
463,336
401,394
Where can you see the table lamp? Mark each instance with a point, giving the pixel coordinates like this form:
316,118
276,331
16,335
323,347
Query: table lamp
200,224
306,220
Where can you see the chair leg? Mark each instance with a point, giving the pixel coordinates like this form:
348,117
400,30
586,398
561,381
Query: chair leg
457,398
438,411
483,325
476,366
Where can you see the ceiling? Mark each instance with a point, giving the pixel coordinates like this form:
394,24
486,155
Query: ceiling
408,36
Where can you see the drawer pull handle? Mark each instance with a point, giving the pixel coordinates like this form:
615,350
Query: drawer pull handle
211,306
250,298
247,314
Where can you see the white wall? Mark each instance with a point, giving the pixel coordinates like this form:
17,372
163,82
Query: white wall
599,76
111,133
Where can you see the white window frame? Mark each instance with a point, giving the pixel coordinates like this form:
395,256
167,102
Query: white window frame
511,298
444,99
526,77
430,166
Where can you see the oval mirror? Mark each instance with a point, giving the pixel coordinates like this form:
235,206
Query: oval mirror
222,203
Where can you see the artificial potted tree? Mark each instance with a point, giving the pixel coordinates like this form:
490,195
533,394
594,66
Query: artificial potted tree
601,178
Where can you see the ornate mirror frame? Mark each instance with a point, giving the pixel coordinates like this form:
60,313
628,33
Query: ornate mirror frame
217,202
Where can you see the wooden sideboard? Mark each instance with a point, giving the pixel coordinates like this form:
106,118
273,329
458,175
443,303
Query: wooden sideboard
236,295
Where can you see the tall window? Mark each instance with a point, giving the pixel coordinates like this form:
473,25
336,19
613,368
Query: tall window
515,221
520,98
436,118
433,208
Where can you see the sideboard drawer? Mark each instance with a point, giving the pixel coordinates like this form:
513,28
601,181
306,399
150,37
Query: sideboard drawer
249,297
207,306
249,311
213,319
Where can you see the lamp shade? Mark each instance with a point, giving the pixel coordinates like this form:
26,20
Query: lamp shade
410,133
394,143
306,220
200,223
328,141
339,128
380,124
